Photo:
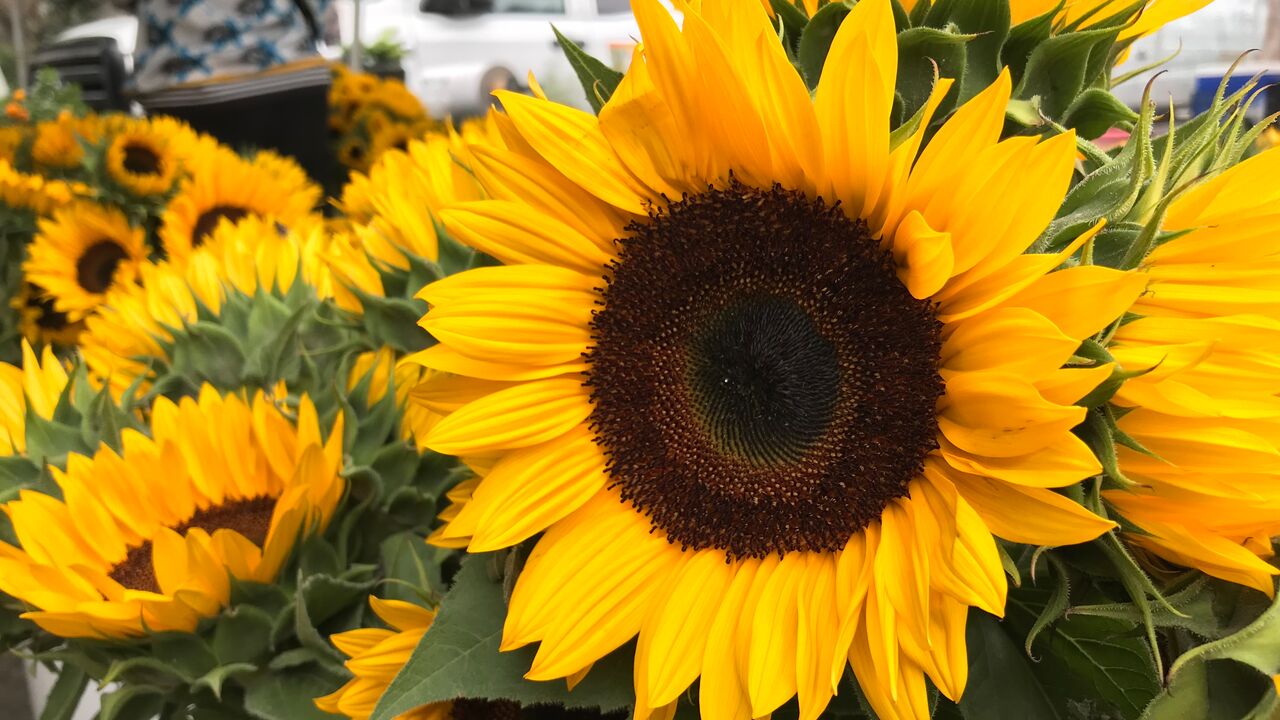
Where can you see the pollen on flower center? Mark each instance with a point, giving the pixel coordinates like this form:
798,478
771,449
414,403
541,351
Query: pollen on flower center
250,518
762,381
97,265
209,219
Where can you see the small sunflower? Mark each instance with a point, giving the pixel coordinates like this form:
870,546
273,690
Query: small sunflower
353,152
147,539
767,385
382,369
223,187
1208,410
81,253
390,200
57,144
40,322
376,655
140,161
36,193
36,385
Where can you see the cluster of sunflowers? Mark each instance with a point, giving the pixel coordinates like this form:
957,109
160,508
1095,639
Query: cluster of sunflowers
826,370
369,115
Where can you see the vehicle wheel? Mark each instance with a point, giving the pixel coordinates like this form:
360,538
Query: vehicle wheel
498,78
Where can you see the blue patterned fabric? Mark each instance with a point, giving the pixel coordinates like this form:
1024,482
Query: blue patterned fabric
187,41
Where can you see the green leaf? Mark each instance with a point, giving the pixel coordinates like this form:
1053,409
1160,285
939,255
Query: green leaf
1255,647
598,80
459,657
1087,657
1023,39
394,322
987,24
242,634
209,352
184,652
1096,111
1061,67
793,22
815,41
132,702
65,696
215,678
287,695
1055,607
920,50
1001,684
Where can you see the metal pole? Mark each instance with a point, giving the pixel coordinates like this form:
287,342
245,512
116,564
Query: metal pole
19,42
357,45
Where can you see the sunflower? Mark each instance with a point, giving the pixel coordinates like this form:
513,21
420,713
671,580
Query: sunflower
36,385
382,369
767,383
148,539
57,144
222,186
11,138
22,191
140,161
135,321
40,322
353,152
1208,410
289,175
390,200
82,252
376,655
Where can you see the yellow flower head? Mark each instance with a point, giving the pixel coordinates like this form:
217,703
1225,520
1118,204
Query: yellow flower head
148,538
376,655
40,322
767,383
1209,409
223,187
140,160
21,191
81,253
57,143
37,385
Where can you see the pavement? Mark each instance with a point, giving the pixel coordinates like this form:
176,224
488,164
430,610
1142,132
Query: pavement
14,704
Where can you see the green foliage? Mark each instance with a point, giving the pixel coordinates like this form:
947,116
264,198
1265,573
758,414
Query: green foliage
459,657
598,80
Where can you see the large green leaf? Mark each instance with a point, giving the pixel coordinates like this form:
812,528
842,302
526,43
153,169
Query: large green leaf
1235,669
1082,658
65,696
459,657
1002,685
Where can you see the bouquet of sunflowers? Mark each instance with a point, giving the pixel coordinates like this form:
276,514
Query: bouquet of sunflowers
828,369
369,115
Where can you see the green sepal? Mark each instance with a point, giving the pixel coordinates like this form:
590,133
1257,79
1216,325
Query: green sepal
986,23
1024,38
1095,111
598,80
924,54
816,39
132,702
394,322
1061,67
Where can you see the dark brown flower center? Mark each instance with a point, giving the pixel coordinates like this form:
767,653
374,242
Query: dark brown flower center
209,219
251,518
762,380
47,316
473,709
97,265
141,160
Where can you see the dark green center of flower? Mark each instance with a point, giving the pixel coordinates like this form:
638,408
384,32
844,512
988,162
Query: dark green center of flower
209,220
141,160
97,265
762,380
250,518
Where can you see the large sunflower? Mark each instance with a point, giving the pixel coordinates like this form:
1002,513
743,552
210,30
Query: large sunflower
140,160
147,539
36,385
376,655
81,253
223,187
768,383
1208,495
